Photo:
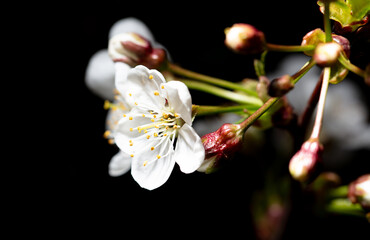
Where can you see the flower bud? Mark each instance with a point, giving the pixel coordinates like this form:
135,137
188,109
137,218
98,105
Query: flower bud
221,145
314,37
280,86
304,163
133,49
245,39
359,191
326,54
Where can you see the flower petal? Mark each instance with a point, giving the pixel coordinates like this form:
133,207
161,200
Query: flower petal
151,171
120,164
142,86
99,76
179,99
121,71
189,152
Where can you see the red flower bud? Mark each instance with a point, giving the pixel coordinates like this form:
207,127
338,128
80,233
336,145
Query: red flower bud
133,49
221,145
245,39
359,191
280,86
304,163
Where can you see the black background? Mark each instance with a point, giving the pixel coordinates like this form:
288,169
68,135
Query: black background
75,192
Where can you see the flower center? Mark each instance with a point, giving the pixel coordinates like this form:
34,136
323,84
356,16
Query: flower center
160,133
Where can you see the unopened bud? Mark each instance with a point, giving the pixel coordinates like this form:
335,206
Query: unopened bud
245,39
326,54
304,163
343,42
313,38
359,191
221,145
280,86
133,49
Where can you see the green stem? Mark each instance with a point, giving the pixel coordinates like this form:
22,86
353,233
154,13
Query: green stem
346,207
327,25
208,110
233,96
252,118
298,75
207,79
339,192
321,104
287,48
353,68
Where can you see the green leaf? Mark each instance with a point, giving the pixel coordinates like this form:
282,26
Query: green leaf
349,13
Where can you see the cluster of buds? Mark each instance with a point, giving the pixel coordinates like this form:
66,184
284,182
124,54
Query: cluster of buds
133,49
304,164
245,39
221,145
359,191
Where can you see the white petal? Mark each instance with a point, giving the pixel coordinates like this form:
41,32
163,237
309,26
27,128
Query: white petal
179,99
131,25
141,86
99,76
120,164
121,71
189,152
149,171
126,132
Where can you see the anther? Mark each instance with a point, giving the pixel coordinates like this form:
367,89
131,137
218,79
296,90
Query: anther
145,163
156,93
150,76
132,155
130,118
158,157
152,148
106,134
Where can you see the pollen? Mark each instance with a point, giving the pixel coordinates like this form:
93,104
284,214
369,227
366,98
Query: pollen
124,115
131,144
162,87
150,76
152,148
152,120
147,136
132,155
156,93
136,103
155,134
131,129
177,115
106,134
130,94
130,118
106,104
145,163
111,141
158,156
143,115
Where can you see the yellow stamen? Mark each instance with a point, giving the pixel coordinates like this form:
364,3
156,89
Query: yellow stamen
150,76
130,118
158,156
111,141
131,129
155,134
106,134
152,148
132,155
106,104
145,163
156,93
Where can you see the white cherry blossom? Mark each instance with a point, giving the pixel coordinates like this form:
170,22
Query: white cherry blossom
157,131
